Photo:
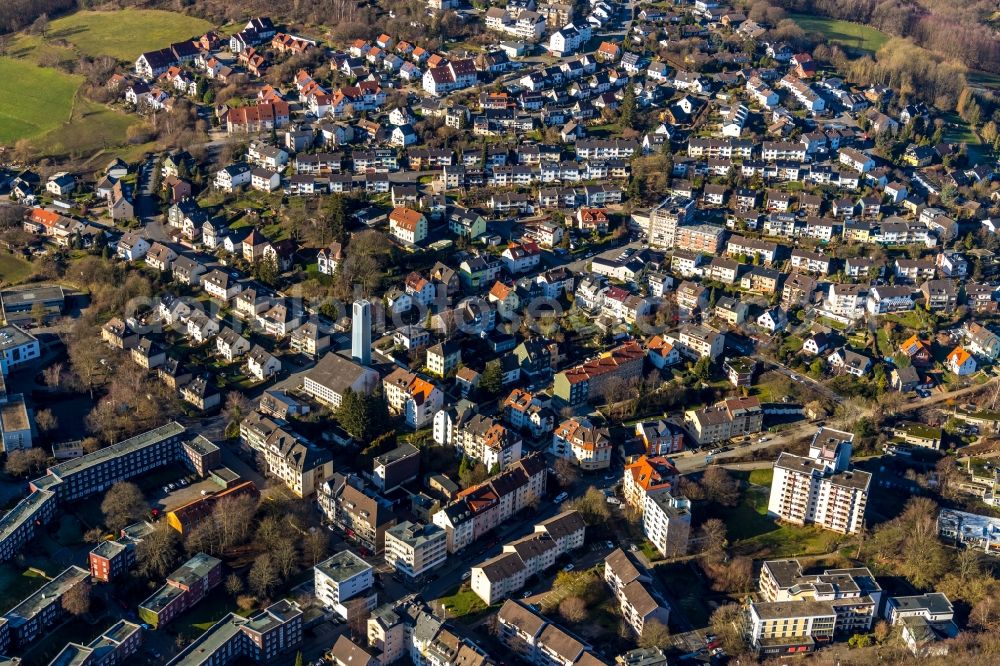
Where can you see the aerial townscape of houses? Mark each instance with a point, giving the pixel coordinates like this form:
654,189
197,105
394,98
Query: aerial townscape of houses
541,333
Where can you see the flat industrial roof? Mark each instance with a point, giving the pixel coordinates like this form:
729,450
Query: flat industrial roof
12,336
149,438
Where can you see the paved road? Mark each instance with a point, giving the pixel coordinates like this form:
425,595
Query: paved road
690,462
938,398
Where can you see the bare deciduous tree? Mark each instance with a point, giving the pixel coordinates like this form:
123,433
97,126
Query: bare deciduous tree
76,599
573,609
123,504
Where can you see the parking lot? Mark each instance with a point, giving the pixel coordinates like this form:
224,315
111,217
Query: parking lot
166,498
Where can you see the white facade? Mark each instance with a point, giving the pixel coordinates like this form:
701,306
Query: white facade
821,489
343,577
415,549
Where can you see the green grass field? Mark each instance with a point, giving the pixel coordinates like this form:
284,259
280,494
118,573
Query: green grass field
33,100
125,33
463,602
91,127
16,584
845,33
13,270
753,533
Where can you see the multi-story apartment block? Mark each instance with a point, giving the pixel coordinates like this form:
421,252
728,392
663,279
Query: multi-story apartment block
730,418
95,472
665,219
394,468
501,576
362,517
27,620
415,549
113,647
536,641
343,577
706,238
416,399
98,471
925,619
700,341
854,593
260,638
485,439
821,488
18,525
577,385
481,508
648,474
185,587
302,466
631,588
660,437
526,413
110,559
778,628
387,634
846,300
666,522
580,441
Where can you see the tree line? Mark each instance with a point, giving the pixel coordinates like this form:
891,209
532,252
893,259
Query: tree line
954,30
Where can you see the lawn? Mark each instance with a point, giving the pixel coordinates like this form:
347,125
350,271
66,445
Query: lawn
752,532
13,269
125,33
910,319
91,127
462,603
207,612
846,33
988,80
15,585
762,477
33,100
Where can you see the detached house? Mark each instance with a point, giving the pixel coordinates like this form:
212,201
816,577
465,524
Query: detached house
960,362
408,225
262,364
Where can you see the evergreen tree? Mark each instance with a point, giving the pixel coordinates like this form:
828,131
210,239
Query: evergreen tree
491,381
628,106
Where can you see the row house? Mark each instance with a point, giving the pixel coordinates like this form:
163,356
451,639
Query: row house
483,507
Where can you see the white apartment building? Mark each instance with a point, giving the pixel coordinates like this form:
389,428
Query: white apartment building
414,549
854,593
341,578
631,588
789,627
821,488
665,218
415,399
579,440
666,522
